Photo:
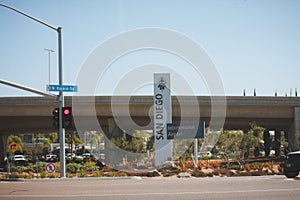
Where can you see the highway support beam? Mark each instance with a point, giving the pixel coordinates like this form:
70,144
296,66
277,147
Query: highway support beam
294,133
3,144
297,128
113,154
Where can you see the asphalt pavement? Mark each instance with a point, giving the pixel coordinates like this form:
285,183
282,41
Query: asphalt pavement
262,187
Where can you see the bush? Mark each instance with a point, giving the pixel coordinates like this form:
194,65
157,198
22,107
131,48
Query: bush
14,175
111,174
97,174
90,166
43,174
123,174
81,174
256,166
242,174
29,175
259,173
107,168
19,169
224,172
40,167
53,175
235,167
73,167
198,173
247,167
216,172
69,175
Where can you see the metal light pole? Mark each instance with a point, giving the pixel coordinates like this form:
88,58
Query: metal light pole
49,65
61,95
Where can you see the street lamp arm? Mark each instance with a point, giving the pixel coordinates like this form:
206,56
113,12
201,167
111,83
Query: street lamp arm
26,15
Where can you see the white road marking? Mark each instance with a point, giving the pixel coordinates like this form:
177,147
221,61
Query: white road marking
146,194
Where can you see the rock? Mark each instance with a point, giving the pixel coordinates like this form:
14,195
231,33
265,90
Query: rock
183,175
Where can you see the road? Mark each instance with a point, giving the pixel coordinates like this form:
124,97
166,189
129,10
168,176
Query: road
266,187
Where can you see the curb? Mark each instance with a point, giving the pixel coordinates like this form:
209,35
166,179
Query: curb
69,179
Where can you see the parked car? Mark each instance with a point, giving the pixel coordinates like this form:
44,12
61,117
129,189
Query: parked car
291,164
51,157
86,155
17,159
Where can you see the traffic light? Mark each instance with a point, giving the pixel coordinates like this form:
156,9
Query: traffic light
55,118
67,117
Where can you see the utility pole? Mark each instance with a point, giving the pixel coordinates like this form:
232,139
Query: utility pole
49,61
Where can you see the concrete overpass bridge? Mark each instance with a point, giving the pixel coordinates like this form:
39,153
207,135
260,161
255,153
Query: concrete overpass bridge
34,114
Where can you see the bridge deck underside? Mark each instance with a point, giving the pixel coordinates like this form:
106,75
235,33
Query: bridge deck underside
44,124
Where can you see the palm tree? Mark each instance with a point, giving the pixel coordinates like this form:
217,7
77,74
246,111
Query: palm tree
95,139
53,137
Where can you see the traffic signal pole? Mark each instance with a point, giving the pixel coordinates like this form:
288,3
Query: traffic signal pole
61,95
61,104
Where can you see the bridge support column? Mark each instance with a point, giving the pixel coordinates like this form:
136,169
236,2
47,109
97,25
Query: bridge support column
277,143
267,143
113,154
297,127
3,140
294,133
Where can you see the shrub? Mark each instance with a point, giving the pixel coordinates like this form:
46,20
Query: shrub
31,168
123,174
216,164
259,173
81,173
40,167
235,167
111,174
216,172
97,174
19,168
69,175
29,175
107,168
54,175
256,166
90,166
73,167
14,175
189,164
43,174
57,164
198,173
247,167
224,172
242,174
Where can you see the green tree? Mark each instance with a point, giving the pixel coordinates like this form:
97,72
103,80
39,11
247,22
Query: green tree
43,144
258,132
230,142
73,140
238,143
95,139
135,142
53,137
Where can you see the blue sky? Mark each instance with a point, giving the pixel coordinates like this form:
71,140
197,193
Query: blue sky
253,43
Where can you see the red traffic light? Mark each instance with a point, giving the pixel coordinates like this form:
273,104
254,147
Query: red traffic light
67,111
67,117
